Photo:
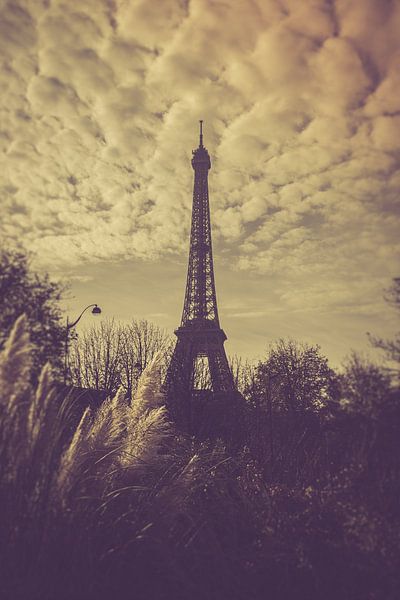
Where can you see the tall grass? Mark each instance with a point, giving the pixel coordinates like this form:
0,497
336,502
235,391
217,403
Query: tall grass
61,490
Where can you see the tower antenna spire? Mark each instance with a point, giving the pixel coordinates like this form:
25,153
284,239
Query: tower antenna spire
201,133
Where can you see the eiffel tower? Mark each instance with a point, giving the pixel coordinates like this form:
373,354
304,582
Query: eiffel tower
199,367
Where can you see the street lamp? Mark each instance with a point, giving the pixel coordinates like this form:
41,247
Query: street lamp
96,310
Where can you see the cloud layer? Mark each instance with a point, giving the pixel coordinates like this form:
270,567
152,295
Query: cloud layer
301,102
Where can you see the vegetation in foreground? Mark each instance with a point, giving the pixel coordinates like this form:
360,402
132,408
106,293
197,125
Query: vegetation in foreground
117,504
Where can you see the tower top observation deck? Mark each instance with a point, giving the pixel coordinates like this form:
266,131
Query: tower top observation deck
201,158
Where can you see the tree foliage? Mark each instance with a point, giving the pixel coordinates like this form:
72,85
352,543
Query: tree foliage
294,377
364,385
391,347
25,291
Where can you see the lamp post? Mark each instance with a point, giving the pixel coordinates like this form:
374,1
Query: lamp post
96,310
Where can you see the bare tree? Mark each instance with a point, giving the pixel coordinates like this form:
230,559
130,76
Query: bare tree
365,386
112,354
94,357
201,374
243,372
140,342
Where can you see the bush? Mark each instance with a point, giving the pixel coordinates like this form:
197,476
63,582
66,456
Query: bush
24,291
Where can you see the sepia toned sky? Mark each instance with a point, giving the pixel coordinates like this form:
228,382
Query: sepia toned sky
100,101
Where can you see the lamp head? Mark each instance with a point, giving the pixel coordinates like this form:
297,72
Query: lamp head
96,310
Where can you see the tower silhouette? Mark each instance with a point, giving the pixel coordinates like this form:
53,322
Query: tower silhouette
199,367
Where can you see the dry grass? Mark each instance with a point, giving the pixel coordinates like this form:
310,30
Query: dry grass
62,488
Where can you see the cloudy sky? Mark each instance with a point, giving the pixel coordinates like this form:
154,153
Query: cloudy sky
301,103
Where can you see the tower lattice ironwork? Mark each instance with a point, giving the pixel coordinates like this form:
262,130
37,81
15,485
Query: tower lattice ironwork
200,335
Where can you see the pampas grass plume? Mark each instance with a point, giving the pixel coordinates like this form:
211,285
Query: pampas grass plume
40,402
73,455
15,364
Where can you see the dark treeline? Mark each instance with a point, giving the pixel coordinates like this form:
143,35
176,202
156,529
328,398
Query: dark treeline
117,502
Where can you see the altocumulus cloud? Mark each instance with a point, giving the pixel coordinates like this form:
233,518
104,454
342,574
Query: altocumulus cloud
302,108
